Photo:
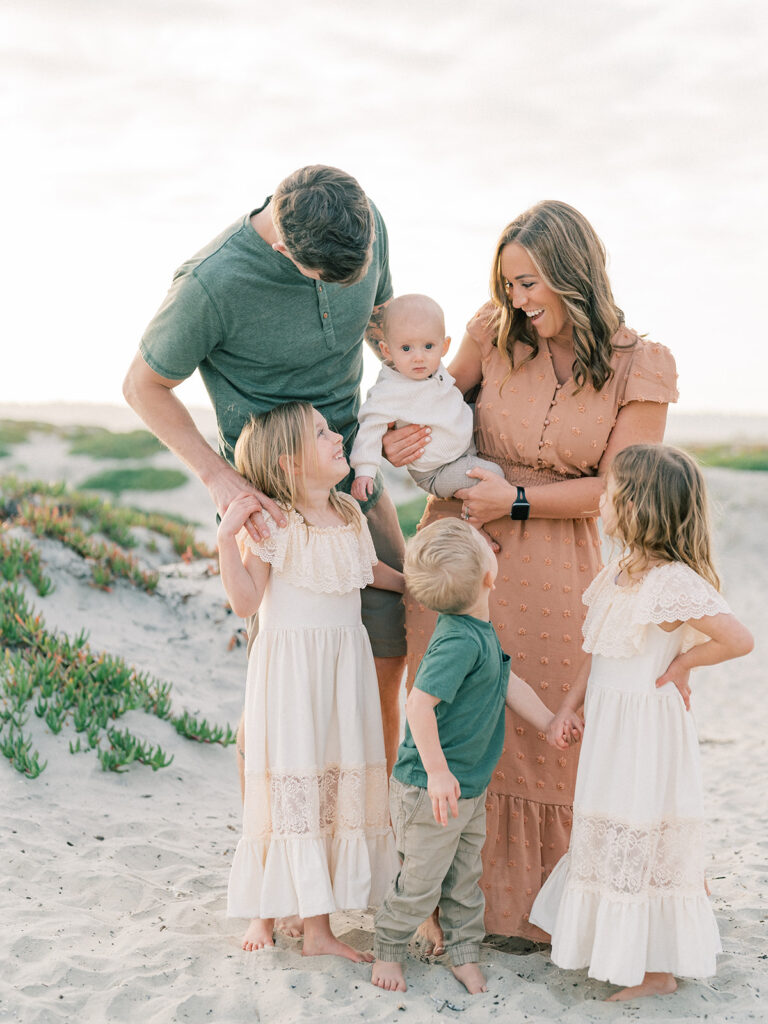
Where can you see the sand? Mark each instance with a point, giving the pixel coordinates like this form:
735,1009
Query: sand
112,892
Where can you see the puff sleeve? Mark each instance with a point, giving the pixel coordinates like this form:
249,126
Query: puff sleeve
652,375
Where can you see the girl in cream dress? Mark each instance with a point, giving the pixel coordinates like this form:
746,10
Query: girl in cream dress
316,835
628,900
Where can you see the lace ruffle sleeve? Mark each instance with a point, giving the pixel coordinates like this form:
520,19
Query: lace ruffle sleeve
323,559
271,549
675,593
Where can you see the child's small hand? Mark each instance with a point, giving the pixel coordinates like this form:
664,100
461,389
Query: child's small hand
236,514
362,488
444,791
565,728
678,675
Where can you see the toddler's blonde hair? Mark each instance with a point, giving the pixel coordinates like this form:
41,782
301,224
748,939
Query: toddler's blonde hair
660,501
445,564
284,431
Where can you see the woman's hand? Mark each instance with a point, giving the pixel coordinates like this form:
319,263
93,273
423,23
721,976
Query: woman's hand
489,499
404,445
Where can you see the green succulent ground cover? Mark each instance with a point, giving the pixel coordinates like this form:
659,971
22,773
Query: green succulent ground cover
59,678
752,457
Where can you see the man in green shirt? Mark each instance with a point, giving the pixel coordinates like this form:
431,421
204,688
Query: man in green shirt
276,308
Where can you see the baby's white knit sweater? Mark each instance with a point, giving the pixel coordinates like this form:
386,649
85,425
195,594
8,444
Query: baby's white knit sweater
434,402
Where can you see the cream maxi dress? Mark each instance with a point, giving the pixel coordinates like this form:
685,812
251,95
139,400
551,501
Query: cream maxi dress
628,896
316,835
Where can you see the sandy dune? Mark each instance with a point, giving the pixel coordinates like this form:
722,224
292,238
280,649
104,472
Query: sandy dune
112,887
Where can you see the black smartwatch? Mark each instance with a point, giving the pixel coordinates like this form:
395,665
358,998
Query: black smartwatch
521,508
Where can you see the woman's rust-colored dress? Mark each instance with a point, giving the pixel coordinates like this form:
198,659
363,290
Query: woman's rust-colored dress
539,432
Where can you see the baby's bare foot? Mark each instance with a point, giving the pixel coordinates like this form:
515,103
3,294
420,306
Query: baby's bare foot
471,977
292,926
259,934
653,984
430,936
388,974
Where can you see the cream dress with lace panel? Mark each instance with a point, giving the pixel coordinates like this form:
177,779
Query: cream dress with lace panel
316,835
628,896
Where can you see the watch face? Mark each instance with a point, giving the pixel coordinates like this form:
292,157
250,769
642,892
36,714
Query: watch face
520,510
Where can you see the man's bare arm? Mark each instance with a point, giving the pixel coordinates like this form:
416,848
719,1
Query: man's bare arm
373,332
152,398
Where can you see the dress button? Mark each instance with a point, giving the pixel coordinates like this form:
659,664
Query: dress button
546,423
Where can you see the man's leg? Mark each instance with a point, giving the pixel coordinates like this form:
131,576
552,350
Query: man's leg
384,618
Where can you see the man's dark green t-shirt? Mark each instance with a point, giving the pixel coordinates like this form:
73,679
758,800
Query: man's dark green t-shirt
261,333
466,668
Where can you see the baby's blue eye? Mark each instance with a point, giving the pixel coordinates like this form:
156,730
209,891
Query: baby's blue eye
406,348
429,345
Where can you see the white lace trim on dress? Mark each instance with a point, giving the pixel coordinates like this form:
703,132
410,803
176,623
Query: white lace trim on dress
626,861
617,617
323,559
337,802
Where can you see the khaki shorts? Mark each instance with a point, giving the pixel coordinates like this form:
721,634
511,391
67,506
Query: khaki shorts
383,611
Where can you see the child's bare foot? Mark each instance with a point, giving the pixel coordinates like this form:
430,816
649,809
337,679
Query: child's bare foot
471,977
430,936
653,984
319,940
292,926
259,934
388,974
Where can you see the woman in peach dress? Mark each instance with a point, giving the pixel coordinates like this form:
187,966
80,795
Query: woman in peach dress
564,385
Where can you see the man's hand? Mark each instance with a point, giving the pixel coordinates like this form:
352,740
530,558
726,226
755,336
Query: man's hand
444,791
362,488
228,485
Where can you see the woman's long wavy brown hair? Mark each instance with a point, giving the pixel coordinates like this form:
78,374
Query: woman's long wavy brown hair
284,431
571,260
660,501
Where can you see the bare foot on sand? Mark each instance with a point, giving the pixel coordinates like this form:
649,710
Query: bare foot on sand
292,926
651,985
471,977
319,940
430,936
388,974
259,934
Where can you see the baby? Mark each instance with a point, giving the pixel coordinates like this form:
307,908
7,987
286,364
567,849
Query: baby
417,388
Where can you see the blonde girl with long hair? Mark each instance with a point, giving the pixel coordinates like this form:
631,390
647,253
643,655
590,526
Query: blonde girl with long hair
316,835
628,900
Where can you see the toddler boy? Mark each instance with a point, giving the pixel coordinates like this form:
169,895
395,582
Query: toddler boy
453,739
417,388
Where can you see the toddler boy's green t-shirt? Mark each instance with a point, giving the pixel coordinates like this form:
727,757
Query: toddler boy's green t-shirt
261,333
466,668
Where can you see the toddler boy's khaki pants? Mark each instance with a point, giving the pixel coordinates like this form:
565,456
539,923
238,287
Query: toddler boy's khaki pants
441,867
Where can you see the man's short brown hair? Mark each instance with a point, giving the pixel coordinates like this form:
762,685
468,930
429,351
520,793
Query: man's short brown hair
325,222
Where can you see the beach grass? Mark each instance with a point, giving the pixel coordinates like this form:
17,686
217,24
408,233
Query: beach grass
749,457
100,443
144,478
410,513
59,677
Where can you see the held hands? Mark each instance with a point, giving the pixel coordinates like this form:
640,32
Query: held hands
230,486
566,727
444,791
679,675
489,499
362,487
237,515
404,445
